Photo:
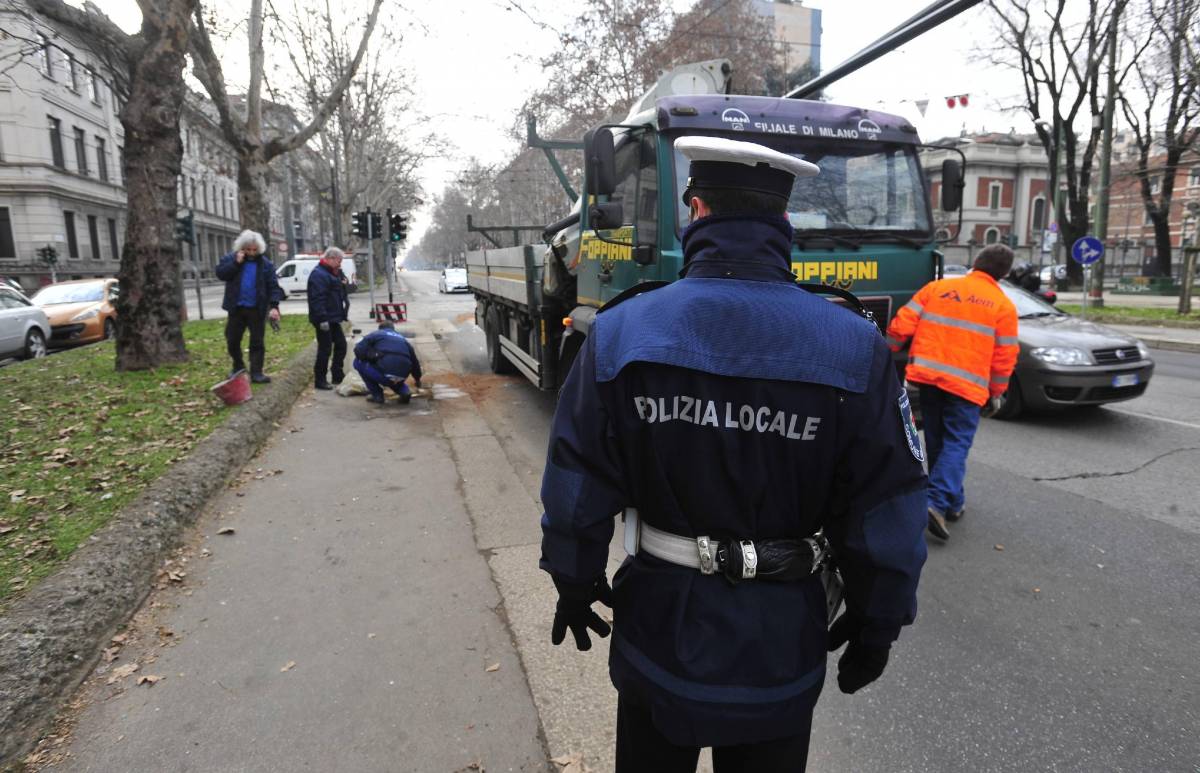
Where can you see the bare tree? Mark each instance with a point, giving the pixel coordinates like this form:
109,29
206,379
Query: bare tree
1164,110
246,133
1060,47
147,76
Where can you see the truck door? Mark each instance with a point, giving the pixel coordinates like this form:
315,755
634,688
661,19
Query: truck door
607,264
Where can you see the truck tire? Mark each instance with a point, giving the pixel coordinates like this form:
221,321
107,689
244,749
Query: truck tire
497,361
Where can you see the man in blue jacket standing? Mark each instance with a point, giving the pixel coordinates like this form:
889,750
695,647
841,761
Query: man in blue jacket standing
252,292
385,358
753,427
328,308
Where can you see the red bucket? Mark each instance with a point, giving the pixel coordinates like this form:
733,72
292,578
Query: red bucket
235,390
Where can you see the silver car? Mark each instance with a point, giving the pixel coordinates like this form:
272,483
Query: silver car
24,328
1066,361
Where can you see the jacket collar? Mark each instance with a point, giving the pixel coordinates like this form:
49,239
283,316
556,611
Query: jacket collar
756,247
984,275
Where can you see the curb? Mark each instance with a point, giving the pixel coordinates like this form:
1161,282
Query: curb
1171,344
51,638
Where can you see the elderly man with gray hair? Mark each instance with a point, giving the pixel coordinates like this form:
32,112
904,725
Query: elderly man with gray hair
328,308
251,293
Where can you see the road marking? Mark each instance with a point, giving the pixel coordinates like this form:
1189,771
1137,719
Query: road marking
1152,416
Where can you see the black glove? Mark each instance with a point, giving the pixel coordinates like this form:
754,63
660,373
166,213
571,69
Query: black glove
861,663
574,611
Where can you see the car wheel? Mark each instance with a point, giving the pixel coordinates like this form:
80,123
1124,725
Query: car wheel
110,329
496,360
35,345
1011,403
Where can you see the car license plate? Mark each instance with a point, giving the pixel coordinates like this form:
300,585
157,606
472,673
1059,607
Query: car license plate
1125,379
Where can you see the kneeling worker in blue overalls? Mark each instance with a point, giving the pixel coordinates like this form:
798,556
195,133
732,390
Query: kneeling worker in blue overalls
385,358
753,427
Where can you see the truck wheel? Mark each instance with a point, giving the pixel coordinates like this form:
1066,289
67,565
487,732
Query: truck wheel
497,361
1011,403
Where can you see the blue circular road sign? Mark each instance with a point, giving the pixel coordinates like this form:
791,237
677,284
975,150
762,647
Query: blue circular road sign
1087,250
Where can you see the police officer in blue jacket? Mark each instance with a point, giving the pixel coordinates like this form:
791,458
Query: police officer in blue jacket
385,358
738,415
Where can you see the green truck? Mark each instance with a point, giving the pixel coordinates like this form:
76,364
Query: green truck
864,224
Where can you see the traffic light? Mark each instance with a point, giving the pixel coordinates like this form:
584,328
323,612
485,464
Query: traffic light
376,225
47,255
185,229
399,228
358,224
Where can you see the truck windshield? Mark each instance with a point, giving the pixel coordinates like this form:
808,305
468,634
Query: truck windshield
861,188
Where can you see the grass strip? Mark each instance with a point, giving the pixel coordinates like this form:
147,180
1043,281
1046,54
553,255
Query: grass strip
1137,315
81,440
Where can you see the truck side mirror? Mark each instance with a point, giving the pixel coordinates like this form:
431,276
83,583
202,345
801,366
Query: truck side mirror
601,162
605,215
952,185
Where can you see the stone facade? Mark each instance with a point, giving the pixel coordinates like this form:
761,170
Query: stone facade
61,146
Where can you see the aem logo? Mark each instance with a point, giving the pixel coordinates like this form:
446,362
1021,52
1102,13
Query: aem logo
736,117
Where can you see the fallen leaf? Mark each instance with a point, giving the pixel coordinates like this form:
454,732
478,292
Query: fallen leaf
110,654
492,667
120,638
289,666
225,530
570,763
120,672
149,679
999,547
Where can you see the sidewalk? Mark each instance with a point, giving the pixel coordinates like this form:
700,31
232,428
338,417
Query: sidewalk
1157,337
348,623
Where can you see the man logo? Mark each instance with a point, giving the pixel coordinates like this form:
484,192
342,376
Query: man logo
952,295
736,117
869,128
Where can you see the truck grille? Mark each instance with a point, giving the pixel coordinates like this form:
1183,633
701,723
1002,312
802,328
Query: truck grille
1116,356
881,307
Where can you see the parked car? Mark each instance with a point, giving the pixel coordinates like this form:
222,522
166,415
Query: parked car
453,280
293,274
953,269
12,282
81,311
24,328
1052,274
1066,361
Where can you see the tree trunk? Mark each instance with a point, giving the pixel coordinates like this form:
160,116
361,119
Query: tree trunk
1162,244
252,192
149,330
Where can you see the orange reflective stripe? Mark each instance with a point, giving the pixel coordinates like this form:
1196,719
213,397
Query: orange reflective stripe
950,370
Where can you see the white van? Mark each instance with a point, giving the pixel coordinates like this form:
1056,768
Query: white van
293,275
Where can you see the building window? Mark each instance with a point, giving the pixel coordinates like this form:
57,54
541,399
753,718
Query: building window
73,72
994,191
102,158
56,148
991,236
7,245
1155,184
80,151
112,239
93,85
72,242
1038,222
193,204
121,160
204,192
43,56
1194,177
94,235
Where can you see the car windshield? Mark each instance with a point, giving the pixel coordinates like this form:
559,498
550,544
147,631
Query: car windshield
90,292
1029,305
456,273
862,187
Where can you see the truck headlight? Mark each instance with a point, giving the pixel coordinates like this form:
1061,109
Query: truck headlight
81,316
1061,355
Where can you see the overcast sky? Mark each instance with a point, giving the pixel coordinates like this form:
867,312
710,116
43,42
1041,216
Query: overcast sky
473,62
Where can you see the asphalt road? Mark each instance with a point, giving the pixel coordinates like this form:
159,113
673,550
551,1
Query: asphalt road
1059,629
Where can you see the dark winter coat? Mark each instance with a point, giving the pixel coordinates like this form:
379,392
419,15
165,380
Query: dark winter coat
268,293
390,353
327,298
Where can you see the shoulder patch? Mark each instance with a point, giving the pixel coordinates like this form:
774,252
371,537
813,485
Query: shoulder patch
910,427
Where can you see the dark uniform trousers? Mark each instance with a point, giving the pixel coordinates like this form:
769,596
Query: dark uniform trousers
333,339
241,319
642,749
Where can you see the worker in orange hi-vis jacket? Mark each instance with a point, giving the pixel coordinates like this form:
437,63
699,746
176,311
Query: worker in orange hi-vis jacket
964,348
